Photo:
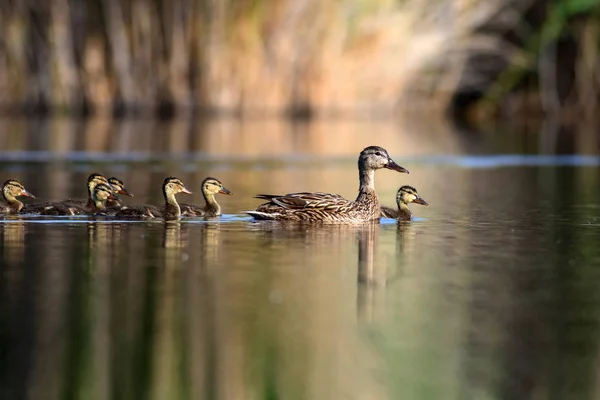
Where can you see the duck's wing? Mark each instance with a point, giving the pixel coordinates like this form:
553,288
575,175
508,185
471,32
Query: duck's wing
192,210
314,200
388,212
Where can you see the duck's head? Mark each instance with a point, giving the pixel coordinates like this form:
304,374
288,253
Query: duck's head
13,188
408,194
173,186
96,179
118,186
103,192
375,157
212,186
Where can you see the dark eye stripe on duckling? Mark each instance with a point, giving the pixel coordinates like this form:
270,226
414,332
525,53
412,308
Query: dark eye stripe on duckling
115,181
13,182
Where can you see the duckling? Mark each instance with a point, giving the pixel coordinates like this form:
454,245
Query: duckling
118,188
210,187
326,207
101,195
405,196
11,189
69,206
171,211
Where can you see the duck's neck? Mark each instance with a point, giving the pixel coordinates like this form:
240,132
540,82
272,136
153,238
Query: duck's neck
212,206
367,184
90,202
172,209
98,205
404,213
14,205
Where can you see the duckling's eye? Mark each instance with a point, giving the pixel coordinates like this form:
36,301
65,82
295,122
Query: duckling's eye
379,154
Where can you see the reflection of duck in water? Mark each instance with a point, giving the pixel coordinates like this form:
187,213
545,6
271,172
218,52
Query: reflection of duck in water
210,187
316,207
11,189
171,210
405,196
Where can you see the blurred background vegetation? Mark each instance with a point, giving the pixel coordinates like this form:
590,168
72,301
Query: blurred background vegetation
301,58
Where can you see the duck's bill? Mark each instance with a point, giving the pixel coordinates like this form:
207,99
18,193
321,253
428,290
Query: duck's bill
112,197
420,201
186,190
224,190
395,167
27,194
125,192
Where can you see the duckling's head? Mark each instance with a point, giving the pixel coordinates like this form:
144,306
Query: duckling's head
96,179
212,186
103,192
408,194
13,188
375,157
118,186
173,186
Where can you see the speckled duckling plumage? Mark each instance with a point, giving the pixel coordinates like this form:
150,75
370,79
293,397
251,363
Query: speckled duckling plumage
171,211
210,187
326,207
404,196
69,206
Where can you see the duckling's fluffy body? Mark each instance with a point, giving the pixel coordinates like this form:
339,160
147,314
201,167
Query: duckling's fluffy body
404,196
171,210
210,187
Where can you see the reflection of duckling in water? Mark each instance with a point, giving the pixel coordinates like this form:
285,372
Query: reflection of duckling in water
11,189
405,196
171,210
210,187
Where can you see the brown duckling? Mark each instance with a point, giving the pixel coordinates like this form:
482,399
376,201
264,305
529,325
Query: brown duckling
118,188
11,189
70,206
405,196
210,187
171,211
101,195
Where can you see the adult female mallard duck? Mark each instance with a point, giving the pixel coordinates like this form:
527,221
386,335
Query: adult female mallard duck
171,211
70,206
405,196
210,187
11,189
315,207
118,188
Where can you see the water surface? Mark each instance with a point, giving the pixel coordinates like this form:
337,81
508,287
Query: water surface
490,293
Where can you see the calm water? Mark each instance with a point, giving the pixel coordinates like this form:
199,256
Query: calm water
492,293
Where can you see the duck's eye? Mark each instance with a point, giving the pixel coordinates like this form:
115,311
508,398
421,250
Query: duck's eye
379,154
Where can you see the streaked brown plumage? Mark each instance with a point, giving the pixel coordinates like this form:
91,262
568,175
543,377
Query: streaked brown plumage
171,211
326,207
69,206
210,187
118,187
11,189
404,196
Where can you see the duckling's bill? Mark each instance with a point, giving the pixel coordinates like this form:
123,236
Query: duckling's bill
224,190
25,193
